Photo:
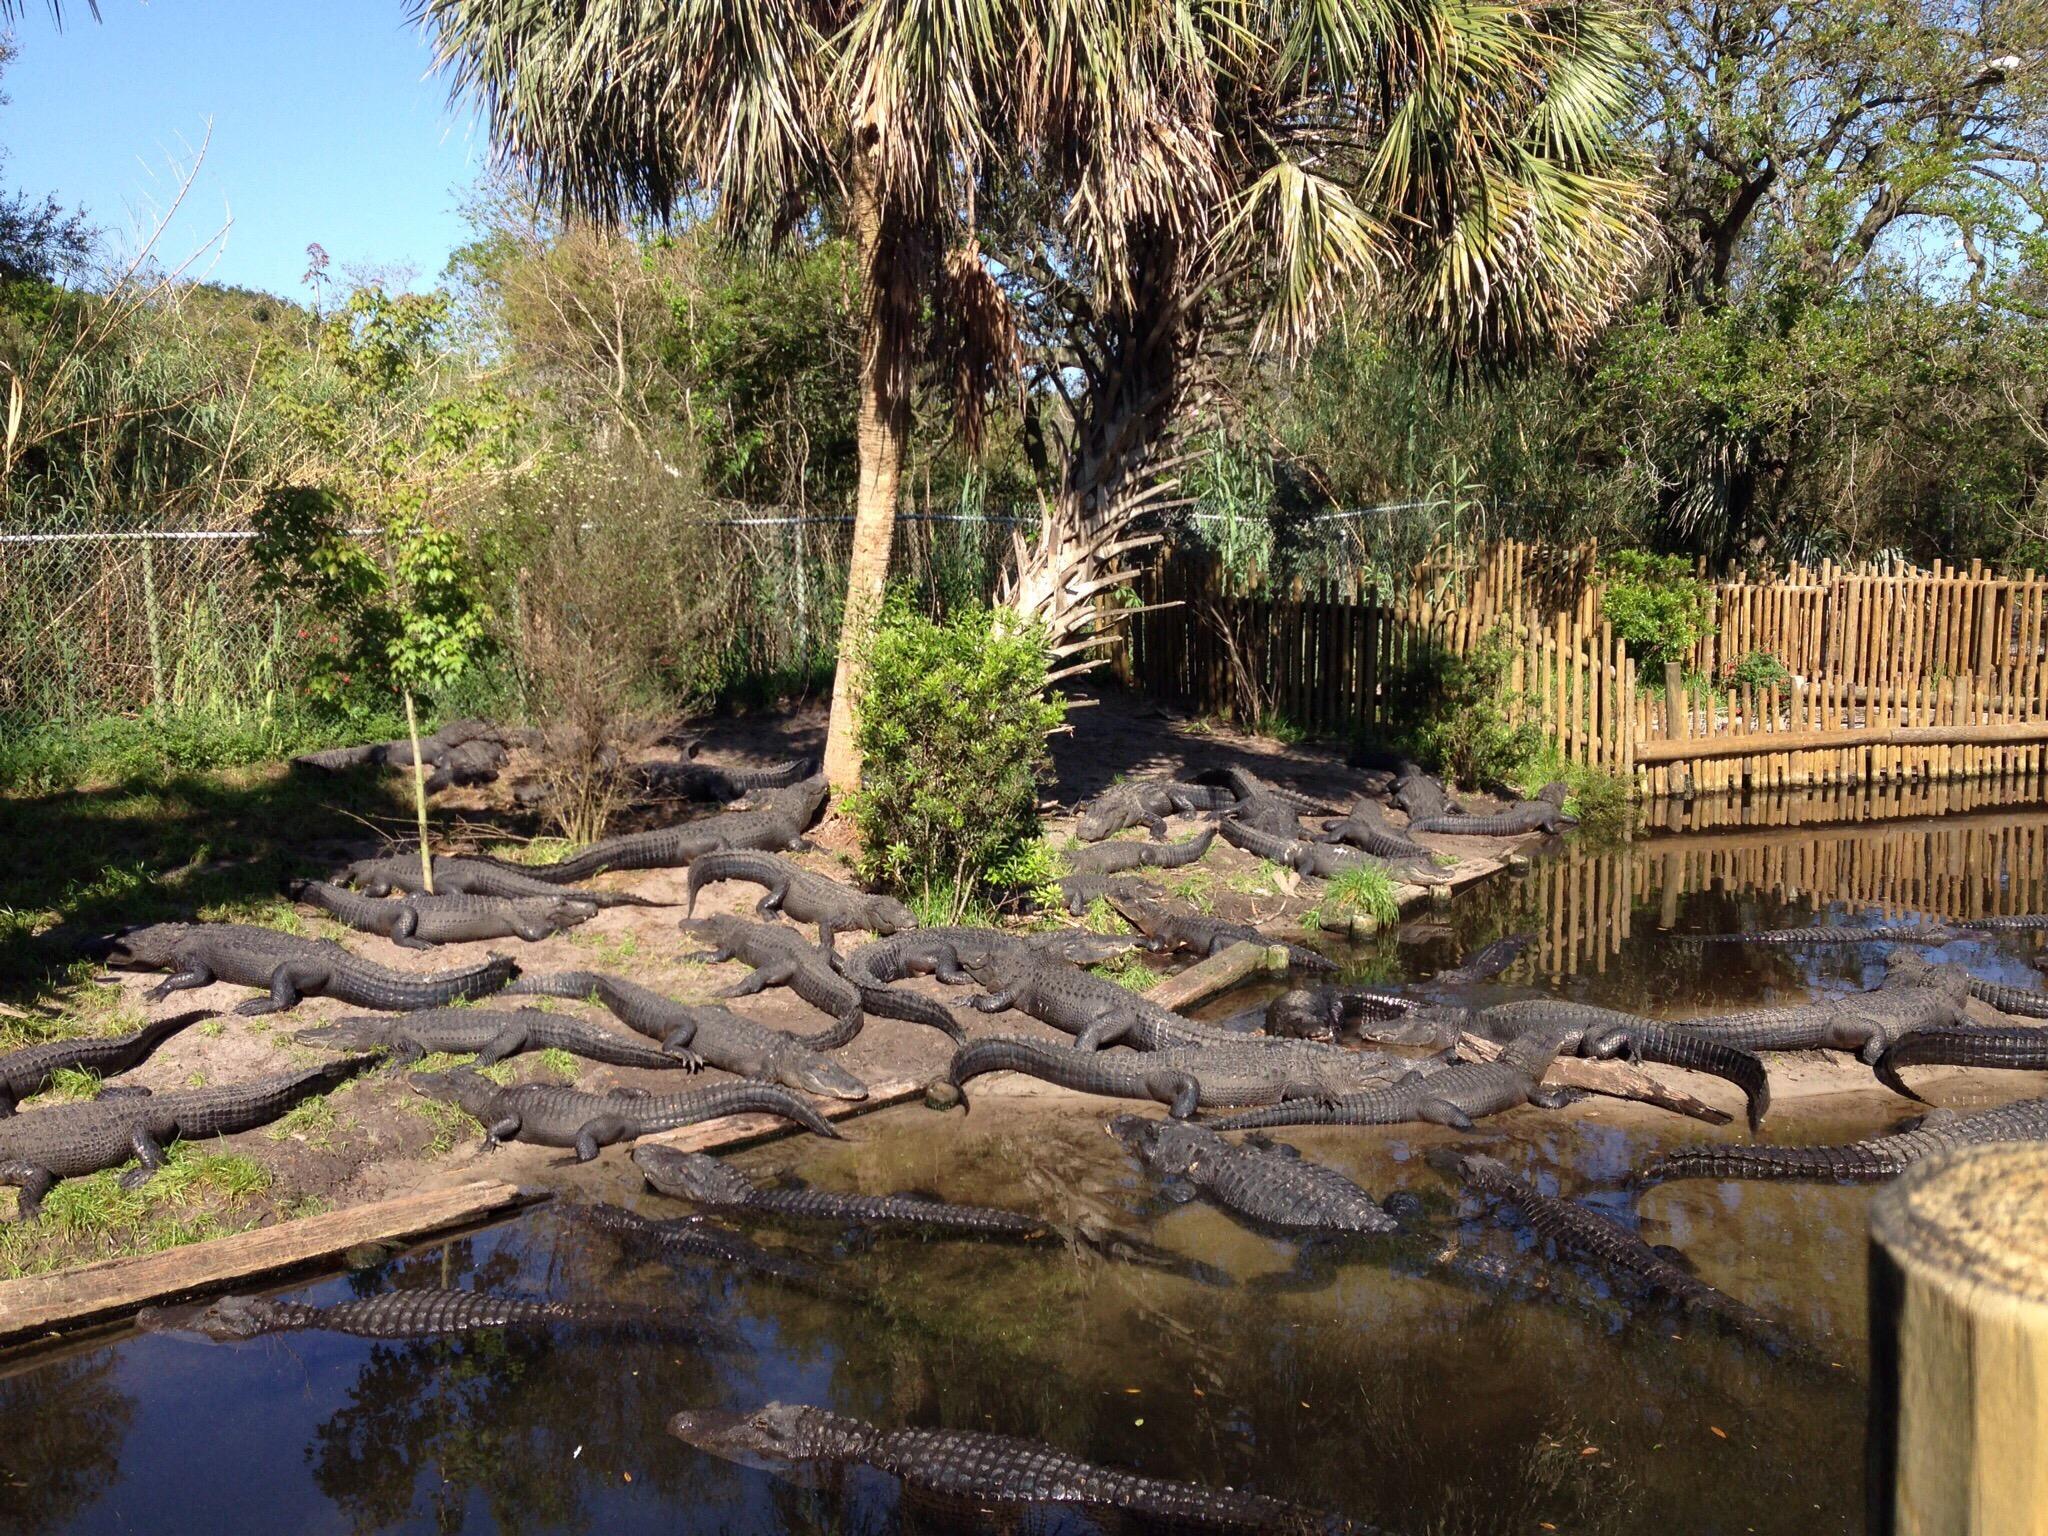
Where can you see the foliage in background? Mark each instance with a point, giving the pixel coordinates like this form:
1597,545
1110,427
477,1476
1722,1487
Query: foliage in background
952,727
1458,709
1658,608
1759,669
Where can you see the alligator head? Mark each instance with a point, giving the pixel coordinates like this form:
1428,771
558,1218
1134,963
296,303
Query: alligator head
888,915
690,1175
790,1439
463,1086
1305,1013
230,1318
146,947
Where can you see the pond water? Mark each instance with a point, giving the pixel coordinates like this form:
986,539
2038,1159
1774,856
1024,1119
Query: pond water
1374,1381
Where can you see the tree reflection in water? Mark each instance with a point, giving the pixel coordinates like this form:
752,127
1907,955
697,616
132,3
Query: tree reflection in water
62,1425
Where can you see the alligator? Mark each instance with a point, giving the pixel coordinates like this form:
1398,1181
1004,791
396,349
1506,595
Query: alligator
1885,933
1857,1162
1326,1013
491,1037
409,1314
1365,828
289,968
31,1069
68,1141
720,1037
1267,807
690,780
694,1237
1422,794
1911,997
1321,860
970,1467
1147,803
1120,857
1245,1071
1578,1229
1080,892
2010,1047
921,952
781,958
1484,963
1516,821
1454,1095
1270,1186
779,823
1096,1011
473,877
705,1181
421,921
1166,929
437,748
2024,1002
548,1116
799,894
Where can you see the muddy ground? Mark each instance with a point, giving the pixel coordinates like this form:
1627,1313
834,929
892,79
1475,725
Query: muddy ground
377,1138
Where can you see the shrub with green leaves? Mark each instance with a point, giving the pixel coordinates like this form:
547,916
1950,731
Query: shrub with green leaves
952,727
1759,669
1657,606
1459,707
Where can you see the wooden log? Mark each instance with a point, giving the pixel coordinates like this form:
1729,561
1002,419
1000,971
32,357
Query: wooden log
1218,973
1952,734
733,1131
1615,1079
43,1304
1959,1346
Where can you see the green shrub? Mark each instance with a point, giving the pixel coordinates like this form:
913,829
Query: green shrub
952,727
1459,706
1759,669
1657,606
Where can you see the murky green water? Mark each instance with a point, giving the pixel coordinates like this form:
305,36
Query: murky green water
1373,1381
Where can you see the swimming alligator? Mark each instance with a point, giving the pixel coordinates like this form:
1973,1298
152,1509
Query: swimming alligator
1270,1186
491,1037
691,780
778,823
2009,1047
1857,1162
409,1314
1096,1011
781,957
1835,933
799,894
1454,1095
1166,929
1581,1230
705,1181
473,877
421,921
694,1237
31,1069
1147,803
1323,1013
68,1141
717,1035
1245,1071
1120,857
805,1444
289,968
548,1116
1365,827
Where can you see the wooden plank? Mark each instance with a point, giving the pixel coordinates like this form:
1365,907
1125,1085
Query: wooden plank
733,1131
1218,973
42,1304
1942,736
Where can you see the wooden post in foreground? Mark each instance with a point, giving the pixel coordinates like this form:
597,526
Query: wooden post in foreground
1959,1346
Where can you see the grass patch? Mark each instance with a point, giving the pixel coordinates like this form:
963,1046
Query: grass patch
1101,917
1195,885
1262,879
1130,972
451,1123
69,1085
314,1121
942,904
611,950
1364,891
559,1063
196,1195
539,850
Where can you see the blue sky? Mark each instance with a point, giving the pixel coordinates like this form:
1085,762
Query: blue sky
326,126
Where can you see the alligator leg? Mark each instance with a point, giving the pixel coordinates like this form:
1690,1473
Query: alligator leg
148,1155
992,1002
1104,1029
1545,1096
1181,1094
509,1041
771,903
34,1182
6,1101
405,929
1319,1092
598,1134
1443,1112
288,983
195,974
501,1131
776,975
708,956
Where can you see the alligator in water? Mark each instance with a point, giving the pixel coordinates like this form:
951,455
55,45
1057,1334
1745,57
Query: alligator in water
1365,828
1245,1071
2009,1047
778,824
68,1141
1272,1187
1884,933
491,1037
548,1116
690,780
1326,1013
781,957
809,1445
696,1238
718,1035
421,921
474,877
705,1181
1096,1011
289,968
411,1314
1580,1230
31,1069
1124,855
1454,1095
799,894
1167,929
1856,1162
1147,803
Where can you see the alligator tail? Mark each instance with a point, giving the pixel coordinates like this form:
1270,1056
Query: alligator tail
2014,1048
771,1099
1677,1048
1854,1163
911,1007
580,985
2023,1001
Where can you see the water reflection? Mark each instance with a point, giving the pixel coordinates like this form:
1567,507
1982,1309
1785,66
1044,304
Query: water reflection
61,1429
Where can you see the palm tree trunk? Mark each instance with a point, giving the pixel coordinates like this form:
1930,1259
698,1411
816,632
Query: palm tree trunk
882,432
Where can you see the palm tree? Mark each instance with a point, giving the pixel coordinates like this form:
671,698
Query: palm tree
1160,174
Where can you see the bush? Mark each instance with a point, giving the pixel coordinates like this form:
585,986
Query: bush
1459,708
1759,669
1656,605
952,726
